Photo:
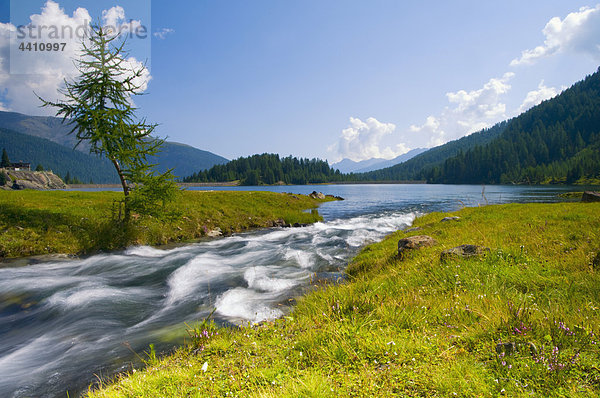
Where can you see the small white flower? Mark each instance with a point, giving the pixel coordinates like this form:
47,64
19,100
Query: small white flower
205,367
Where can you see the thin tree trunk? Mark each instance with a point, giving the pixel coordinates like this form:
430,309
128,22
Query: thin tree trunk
125,188
123,182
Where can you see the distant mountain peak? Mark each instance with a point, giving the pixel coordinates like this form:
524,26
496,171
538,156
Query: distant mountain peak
350,166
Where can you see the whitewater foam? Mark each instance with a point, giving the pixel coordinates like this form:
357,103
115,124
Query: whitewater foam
86,294
146,251
258,279
302,258
245,304
186,281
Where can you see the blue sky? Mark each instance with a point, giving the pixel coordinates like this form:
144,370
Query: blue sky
341,78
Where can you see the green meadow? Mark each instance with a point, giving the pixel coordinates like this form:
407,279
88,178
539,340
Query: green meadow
49,222
519,321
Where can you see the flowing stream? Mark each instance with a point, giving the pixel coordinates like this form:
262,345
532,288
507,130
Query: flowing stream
65,323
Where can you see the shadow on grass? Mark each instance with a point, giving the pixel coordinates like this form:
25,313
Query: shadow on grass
17,216
92,235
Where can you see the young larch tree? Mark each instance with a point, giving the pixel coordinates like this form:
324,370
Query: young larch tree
98,103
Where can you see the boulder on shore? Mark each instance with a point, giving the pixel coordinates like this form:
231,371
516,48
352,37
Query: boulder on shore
414,242
317,195
334,197
464,251
590,196
279,223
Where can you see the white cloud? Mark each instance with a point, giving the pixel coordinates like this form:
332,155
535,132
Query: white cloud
471,111
140,82
430,131
114,18
363,140
468,112
42,74
45,75
578,32
163,33
535,97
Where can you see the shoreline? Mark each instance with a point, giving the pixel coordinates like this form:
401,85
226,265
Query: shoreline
591,184
179,184
23,261
75,223
236,184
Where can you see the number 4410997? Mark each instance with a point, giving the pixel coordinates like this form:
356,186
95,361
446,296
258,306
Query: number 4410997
42,46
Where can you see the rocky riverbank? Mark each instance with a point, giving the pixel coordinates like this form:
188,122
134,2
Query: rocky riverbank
37,180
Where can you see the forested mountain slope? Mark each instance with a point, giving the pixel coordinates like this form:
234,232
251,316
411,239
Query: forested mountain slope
60,159
411,169
184,159
557,141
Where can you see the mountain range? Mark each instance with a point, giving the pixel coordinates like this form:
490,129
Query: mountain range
557,141
350,166
46,140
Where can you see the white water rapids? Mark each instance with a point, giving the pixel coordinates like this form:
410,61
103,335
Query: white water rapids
62,322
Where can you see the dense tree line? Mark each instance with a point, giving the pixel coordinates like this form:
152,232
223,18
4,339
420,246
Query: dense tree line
270,169
72,180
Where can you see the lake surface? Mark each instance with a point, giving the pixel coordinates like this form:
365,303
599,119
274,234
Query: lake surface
63,323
